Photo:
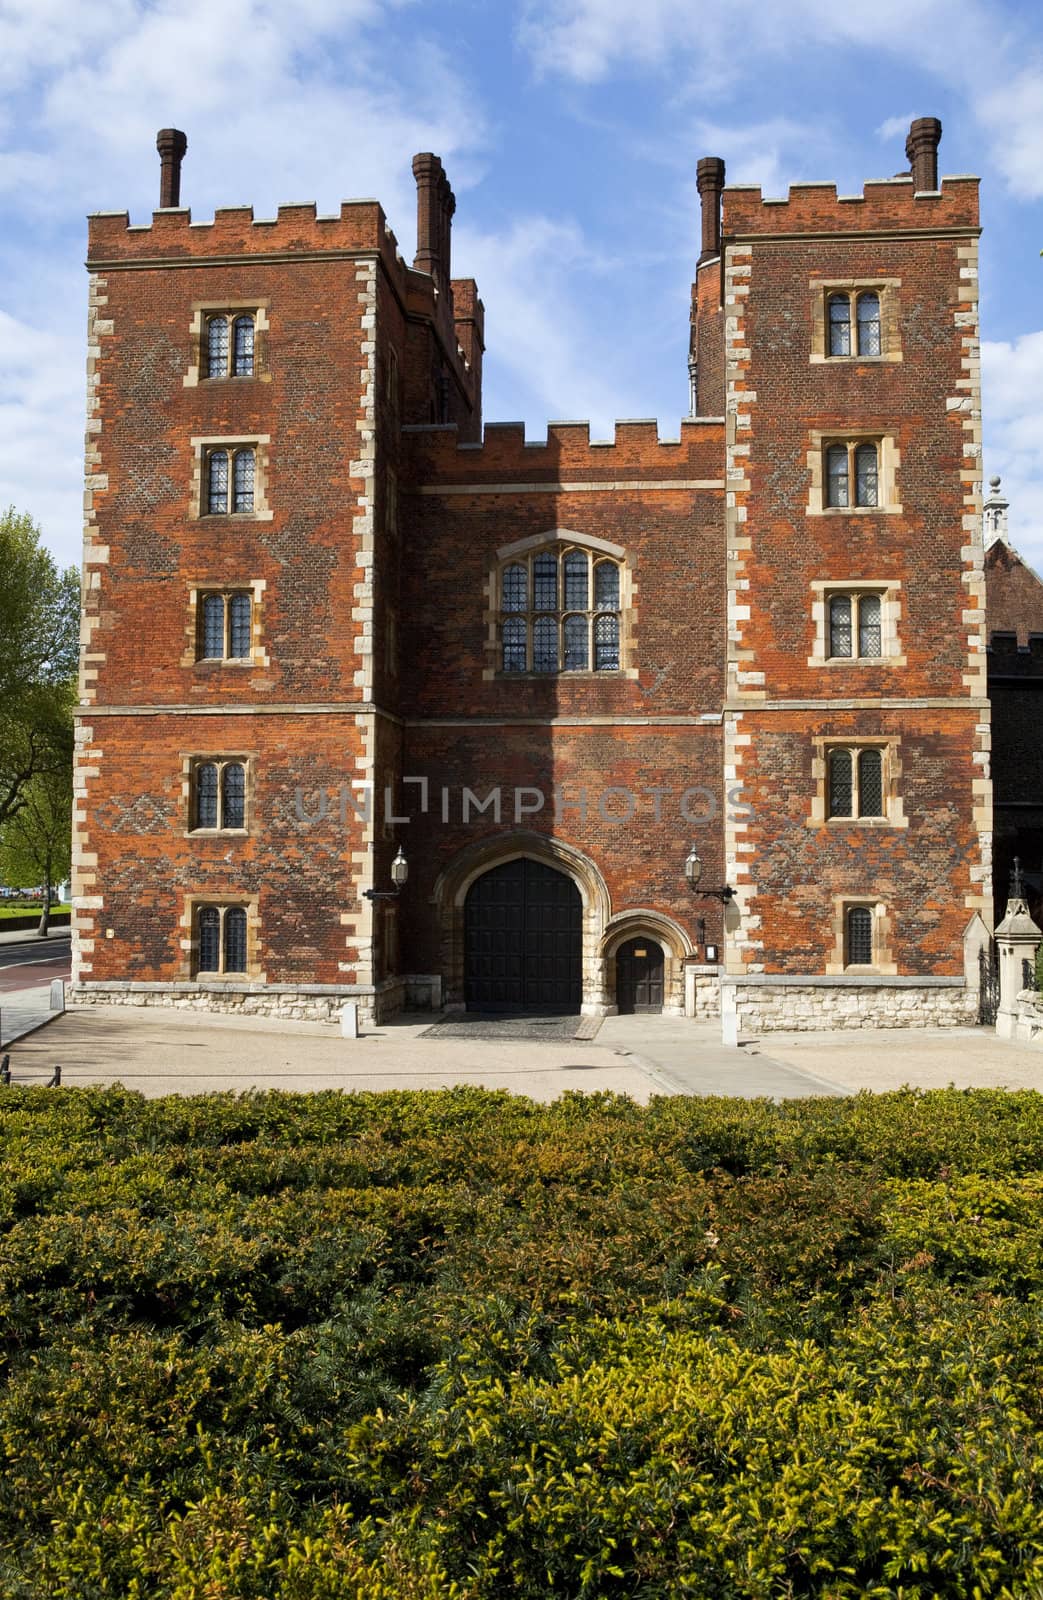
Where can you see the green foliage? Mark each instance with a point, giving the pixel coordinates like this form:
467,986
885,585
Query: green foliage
39,630
460,1345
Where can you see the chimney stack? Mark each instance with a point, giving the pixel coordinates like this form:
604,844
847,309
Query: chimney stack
171,144
435,205
921,150
709,176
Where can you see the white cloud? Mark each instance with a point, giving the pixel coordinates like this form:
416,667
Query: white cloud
996,65
1012,382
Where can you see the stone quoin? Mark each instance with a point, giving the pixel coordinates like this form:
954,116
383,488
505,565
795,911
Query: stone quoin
329,615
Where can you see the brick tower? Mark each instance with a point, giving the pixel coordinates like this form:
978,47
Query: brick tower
329,619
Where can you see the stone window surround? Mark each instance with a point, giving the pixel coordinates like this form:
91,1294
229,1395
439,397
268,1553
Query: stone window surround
191,657
561,539
890,328
889,591
888,461
202,446
891,770
190,763
189,941
201,312
883,963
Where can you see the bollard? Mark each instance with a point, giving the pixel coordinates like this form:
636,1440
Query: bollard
57,994
56,1081
349,1020
5,1071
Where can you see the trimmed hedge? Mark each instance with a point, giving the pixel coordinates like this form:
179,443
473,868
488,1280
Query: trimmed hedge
461,1345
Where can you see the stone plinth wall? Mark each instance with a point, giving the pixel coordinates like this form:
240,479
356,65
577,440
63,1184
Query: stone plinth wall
810,1006
1028,1025
287,1002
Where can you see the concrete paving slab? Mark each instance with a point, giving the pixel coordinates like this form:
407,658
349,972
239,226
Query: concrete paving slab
689,1058
923,1058
158,1051
22,1011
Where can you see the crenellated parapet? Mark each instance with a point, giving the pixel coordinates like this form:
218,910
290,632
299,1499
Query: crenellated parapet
886,205
636,452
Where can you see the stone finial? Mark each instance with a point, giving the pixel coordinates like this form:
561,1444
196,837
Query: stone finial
709,177
921,149
994,514
171,144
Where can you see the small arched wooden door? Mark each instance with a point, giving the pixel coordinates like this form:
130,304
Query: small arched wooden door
639,976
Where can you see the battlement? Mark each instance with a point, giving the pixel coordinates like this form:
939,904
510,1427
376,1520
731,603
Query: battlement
636,452
891,205
359,226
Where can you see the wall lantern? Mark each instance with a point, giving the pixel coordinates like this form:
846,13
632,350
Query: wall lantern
399,875
693,871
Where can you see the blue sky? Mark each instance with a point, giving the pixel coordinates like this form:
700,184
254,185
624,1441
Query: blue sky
570,130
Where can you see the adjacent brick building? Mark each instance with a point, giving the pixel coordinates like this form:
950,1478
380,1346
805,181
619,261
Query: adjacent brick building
330,620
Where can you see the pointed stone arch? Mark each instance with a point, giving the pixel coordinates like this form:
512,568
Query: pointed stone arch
676,944
469,864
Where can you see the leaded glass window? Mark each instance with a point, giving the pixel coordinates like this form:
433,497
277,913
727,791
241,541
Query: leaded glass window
209,924
235,939
515,644
870,784
576,633
839,325
545,584
869,633
545,645
244,480
221,935
217,482
243,347
838,489
213,627
841,788
606,586
217,347
866,475
233,795
606,643
240,612
859,937
206,795
558,616
869,324
840,625
515,587
219,794
577,568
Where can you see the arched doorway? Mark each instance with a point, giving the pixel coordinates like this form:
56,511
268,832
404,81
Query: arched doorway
523,940
639,976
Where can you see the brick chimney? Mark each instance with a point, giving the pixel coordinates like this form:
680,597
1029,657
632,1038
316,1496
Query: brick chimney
435,205
921,149
709,176
171,144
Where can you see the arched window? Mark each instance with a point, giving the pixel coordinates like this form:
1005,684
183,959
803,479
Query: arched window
859,937
218,795
869,324
856,782
867,492
839,325
243,347
838,480
220,940
244,481
226,626
217,482
217,347
560,612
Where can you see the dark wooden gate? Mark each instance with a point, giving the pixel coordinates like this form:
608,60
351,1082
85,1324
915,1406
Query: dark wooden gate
523,940
988,985
639,976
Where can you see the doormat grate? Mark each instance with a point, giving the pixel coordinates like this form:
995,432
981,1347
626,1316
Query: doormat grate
529,1029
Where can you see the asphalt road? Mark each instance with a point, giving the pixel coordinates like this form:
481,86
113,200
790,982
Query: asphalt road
28,966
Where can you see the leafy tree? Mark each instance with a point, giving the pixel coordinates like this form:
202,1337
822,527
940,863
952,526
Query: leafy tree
36,841
39,641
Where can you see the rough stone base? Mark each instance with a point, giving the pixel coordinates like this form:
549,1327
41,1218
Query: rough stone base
288,1002
815,1007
